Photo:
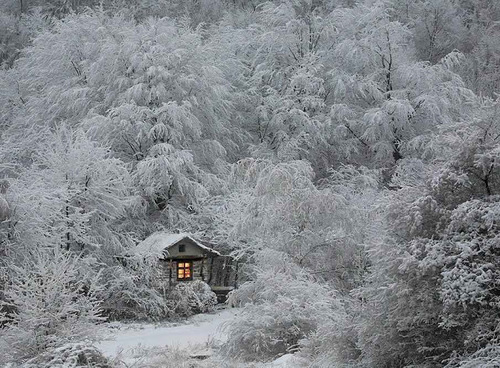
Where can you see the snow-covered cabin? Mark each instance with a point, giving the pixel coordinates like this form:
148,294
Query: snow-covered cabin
182,258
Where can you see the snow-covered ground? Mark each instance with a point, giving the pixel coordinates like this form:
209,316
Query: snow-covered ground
198,330
135,344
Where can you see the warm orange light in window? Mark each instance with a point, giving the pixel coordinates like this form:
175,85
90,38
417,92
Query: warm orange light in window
184,270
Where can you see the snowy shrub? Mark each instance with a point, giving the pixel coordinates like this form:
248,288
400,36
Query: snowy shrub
129,293
433,287
54,305
334,343
488,357
71,355
191,298
282,306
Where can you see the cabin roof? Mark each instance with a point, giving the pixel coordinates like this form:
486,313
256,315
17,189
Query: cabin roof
160,241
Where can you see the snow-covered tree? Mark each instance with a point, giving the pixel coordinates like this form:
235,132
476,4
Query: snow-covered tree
76,197
53,304
384,101
433,287
71,194
481,18
342,143
284,81
278,207
437,26
152,92
282,306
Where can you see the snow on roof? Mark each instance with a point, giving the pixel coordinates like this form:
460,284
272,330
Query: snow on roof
157,242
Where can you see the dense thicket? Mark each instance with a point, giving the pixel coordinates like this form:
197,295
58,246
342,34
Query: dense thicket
346,152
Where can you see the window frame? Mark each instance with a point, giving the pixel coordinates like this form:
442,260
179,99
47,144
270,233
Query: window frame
190,278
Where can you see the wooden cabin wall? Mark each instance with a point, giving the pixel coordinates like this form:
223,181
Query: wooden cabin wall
218,271
164,271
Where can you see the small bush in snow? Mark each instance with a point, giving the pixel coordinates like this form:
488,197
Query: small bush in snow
281,307
71,355
191,298
54,305
334,343
129,293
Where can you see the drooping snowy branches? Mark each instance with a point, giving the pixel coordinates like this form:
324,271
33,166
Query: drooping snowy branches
344,152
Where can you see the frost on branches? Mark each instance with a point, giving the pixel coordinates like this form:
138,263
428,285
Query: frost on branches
51,303
282,307
434,284
344,152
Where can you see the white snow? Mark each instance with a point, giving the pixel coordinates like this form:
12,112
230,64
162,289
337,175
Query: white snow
128,343
199,329
286,361
157,242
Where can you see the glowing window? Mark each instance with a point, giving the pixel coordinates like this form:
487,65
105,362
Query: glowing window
184,270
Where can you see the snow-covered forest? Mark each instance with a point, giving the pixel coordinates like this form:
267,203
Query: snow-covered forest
345,153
